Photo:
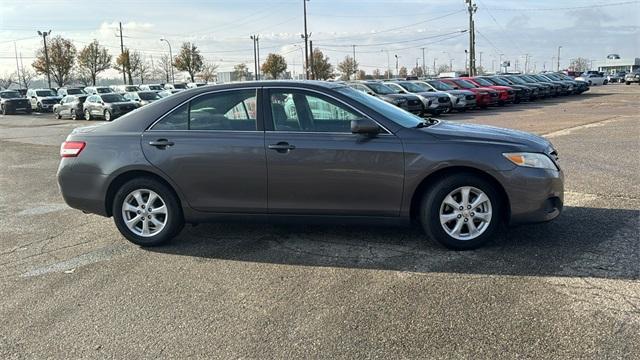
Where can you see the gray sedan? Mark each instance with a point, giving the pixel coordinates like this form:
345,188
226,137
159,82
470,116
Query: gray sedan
305,151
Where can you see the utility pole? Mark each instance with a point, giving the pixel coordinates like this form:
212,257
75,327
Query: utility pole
313,73
354,53
44,35
480,61
424,68
397,72
173,79
15,48
434,66
306,40
526,63
559,47
124,75
255,58
472,8
258,55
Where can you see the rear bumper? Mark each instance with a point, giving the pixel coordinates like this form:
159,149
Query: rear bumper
535,195
82,191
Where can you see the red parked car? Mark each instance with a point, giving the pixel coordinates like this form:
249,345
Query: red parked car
485,96
506,94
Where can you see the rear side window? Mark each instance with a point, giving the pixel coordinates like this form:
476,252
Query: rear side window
229,111
176,120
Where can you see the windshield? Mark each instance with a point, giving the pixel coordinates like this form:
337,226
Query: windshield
528,78
103,90
517,80
552,76
148,96
484,82
112,98
381,89
75,91
411,87
440,85
155,87
391,112
465,84
131,88
45,93
10,95
180,86
499,81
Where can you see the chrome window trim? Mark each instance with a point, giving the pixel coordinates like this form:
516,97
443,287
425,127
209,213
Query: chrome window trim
150,127
332,97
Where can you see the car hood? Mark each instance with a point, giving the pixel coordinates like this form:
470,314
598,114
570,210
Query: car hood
50,97
447,130
399,96
460,92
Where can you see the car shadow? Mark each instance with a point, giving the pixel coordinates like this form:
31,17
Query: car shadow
583,242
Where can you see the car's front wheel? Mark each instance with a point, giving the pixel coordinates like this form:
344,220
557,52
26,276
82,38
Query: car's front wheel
147,212
87,115
107,115
461,211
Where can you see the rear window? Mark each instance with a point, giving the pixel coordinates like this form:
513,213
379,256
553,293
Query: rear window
112,98
45,93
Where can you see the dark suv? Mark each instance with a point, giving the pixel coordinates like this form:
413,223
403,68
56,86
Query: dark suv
408,102
305,151
11,102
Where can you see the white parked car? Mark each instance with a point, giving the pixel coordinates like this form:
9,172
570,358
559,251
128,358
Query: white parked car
593,79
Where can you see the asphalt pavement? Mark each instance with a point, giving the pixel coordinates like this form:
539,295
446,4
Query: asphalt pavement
72,287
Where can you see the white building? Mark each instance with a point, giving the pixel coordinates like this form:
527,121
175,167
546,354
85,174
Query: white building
614,64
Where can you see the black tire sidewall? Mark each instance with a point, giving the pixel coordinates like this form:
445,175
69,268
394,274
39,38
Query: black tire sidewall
432,200
174,212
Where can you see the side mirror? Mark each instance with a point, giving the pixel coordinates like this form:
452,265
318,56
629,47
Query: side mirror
364,126
370,93
431,90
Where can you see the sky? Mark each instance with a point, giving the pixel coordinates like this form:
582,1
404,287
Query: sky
380,29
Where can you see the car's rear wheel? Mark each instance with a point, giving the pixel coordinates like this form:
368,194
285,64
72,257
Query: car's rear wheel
461,211
58,115
87,115
74,115
4,110
107,115
147,212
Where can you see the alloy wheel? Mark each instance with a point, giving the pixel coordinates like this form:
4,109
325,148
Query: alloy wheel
144,212
465,213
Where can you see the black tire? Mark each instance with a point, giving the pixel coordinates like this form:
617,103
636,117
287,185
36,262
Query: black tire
627,82
4,110
432,201
87,115
58,115
74,115
175,221
39,107
107,115
29,111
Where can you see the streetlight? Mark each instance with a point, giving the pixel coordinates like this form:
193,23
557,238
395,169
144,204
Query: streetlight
173,79
559,47
397,57
44,35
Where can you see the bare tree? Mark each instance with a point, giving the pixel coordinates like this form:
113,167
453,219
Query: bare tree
26,77
164,68
442,68
579,65
347,67
6,80
417,71
403,72
93,59
240,72
377,74
143,70
388,74
361,75
209,72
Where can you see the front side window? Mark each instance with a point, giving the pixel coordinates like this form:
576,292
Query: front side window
306,112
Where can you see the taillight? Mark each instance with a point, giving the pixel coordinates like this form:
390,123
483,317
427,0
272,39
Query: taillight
71,148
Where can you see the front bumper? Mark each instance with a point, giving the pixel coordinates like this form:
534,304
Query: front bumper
535,195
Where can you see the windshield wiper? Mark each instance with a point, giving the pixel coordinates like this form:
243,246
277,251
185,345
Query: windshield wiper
427,122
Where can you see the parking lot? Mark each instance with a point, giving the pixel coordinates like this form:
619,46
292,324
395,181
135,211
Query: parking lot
73,287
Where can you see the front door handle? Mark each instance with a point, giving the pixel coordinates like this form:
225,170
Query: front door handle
282,147
161,143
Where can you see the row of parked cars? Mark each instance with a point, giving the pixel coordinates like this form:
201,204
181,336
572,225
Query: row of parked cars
436,96
91,102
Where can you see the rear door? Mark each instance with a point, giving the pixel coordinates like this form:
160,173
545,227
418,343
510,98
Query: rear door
212,147
318,167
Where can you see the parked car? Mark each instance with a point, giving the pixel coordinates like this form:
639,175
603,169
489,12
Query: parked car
568,87
534,90
368,161
408,102
142,97
579,86
593,79
616,77
632,77
11,102
196,84
554,89
544,90
70,106
506,94
485,97
152,87
93,90
123,89
522,92
42,99
434,102
107,106
179,86
70,91
462,100
165,93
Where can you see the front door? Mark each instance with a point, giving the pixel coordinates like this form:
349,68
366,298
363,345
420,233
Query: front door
212,147
318,167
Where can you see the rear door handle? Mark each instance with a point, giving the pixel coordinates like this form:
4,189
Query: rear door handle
161,143
282,147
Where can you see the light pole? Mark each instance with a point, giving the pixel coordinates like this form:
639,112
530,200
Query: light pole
173,79
397,72
559,47
44,35
434,66
306,39
500,63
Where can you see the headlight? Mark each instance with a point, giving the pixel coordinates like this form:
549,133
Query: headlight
534,160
